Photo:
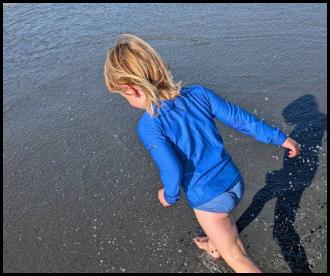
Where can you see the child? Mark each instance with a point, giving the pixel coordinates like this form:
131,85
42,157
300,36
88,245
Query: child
180,134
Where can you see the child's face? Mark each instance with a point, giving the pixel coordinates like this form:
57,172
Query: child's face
134,96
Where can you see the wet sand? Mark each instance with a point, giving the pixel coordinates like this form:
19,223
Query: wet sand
80,190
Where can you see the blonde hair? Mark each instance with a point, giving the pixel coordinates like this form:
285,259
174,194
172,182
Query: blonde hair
132,61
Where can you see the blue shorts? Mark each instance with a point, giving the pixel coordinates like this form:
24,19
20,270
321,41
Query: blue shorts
225,202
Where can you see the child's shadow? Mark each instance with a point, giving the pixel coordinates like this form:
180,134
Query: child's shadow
288,184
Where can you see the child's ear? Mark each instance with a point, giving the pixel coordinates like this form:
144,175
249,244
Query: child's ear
137,90
125,86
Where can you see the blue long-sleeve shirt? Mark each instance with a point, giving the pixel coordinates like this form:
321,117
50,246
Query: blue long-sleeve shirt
187,147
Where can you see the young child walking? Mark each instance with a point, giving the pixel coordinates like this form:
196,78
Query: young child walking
179,132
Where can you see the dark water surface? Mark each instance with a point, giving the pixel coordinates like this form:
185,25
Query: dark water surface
80,189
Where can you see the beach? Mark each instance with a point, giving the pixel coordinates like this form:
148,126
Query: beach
79,188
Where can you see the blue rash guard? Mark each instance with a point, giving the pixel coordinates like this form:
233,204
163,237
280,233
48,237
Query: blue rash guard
187,148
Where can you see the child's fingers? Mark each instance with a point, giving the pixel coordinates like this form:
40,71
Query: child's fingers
293,151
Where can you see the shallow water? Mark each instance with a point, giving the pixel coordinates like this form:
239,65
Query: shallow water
80,189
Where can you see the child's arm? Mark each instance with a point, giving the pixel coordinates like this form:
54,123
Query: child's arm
162,152
238,118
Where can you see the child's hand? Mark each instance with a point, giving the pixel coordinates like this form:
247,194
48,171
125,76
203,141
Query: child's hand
293,146
162,199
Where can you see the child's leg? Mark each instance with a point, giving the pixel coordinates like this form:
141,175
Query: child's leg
224,235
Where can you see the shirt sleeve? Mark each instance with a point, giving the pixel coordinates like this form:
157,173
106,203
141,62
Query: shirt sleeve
163,154
243,121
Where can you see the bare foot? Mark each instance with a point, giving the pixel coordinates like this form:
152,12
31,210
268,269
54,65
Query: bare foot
203,243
